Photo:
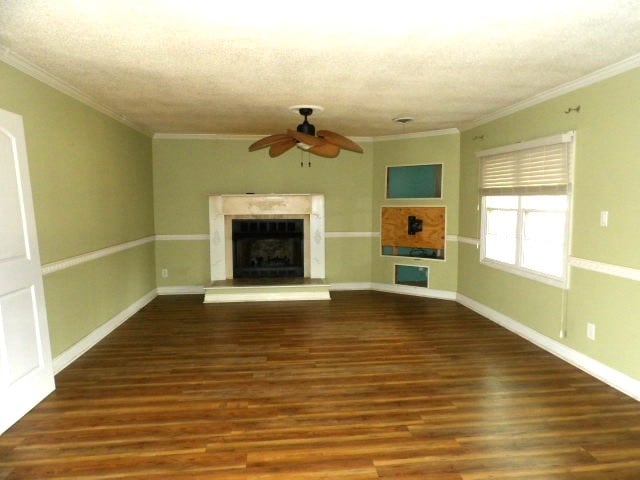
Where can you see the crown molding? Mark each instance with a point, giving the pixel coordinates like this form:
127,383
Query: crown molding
205,136
594,77
227,136
230,136
20,63
406,136
362,139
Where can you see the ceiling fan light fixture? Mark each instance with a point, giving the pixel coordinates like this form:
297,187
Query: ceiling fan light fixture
326,144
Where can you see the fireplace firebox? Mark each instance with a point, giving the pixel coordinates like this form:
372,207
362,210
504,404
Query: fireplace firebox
268,248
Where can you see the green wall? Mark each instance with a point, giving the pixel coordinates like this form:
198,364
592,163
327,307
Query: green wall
443,149
186,172
80,299
607,175
92,189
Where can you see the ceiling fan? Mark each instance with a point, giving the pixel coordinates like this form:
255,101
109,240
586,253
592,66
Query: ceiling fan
325,143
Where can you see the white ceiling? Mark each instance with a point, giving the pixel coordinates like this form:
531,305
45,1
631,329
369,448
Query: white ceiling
195,66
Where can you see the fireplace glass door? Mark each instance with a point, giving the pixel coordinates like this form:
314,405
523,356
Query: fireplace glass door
268,248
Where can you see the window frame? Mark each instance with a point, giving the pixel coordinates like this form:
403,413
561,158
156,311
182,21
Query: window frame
517,268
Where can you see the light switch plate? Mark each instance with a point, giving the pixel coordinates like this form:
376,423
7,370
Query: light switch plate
604,218
591,331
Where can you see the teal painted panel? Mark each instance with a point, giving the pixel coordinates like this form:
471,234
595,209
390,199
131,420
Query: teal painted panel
412,275
414,181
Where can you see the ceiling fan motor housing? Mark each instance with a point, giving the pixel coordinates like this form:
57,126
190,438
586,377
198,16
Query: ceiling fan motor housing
306,127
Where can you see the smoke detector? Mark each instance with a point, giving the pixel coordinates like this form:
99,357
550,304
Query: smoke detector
403,120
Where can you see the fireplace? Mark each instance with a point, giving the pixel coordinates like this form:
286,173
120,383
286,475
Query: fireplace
268,248
293,246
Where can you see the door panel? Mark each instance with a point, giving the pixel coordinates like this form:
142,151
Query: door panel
12,240
26,371
20,332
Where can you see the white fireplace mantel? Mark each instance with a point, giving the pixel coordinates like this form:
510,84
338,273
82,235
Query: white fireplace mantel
224,208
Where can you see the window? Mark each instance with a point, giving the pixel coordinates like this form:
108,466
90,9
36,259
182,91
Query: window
525,194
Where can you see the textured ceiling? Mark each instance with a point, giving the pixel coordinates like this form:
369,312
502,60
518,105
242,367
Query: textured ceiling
193,66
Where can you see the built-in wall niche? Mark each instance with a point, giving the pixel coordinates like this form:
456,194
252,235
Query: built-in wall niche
411,275
413,231
414,181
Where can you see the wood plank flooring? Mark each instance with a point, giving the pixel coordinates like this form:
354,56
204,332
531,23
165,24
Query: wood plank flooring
366,386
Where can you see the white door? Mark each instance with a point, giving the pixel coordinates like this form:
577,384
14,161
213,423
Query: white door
26,371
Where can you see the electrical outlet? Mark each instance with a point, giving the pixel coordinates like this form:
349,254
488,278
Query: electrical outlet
591,331
604,218
164,273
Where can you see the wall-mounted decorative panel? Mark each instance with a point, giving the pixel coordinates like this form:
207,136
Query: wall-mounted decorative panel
413,231
414,181
412,275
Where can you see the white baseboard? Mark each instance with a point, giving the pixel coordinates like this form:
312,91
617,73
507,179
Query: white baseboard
393,288
335,287
67,357
618,380
182,290
415,291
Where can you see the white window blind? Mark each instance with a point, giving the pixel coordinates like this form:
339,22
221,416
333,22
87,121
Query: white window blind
537,167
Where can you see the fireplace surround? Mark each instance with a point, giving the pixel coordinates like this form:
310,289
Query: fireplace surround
265,211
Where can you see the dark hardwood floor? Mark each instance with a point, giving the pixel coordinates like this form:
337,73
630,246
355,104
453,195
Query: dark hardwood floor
366,386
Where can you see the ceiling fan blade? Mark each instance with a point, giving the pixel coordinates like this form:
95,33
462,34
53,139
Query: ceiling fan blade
339,140
281,147
267,141
306,139
328,150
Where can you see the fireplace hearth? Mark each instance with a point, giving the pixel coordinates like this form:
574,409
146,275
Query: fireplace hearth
268,248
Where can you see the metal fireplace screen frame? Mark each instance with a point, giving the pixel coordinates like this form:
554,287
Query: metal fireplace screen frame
268,248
